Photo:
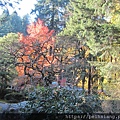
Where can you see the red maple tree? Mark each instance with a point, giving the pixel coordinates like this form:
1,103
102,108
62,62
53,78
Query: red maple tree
36,49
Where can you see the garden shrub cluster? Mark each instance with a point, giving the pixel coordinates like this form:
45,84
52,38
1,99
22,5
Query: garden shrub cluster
61,100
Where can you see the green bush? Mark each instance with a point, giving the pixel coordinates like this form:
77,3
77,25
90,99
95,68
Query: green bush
61,100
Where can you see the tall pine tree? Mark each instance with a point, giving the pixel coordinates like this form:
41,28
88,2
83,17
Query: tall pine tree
88,24
52,12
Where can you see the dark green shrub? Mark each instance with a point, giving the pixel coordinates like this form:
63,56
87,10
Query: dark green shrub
62,100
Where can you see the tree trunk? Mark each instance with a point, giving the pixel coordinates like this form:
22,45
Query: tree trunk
89,80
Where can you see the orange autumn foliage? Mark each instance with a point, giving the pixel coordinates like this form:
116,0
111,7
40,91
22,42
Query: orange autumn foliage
35,48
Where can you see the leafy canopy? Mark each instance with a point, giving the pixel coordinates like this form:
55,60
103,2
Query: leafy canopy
34,53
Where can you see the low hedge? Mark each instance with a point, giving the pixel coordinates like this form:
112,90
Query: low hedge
61,100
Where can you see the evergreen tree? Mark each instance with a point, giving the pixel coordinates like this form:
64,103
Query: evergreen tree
52,12
4,16
25,23
105,45
89,26
7,59
14,23
5,27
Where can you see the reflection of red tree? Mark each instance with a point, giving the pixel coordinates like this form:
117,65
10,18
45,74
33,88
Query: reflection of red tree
35,51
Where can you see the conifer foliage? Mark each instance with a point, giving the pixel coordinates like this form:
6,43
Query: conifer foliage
89,25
